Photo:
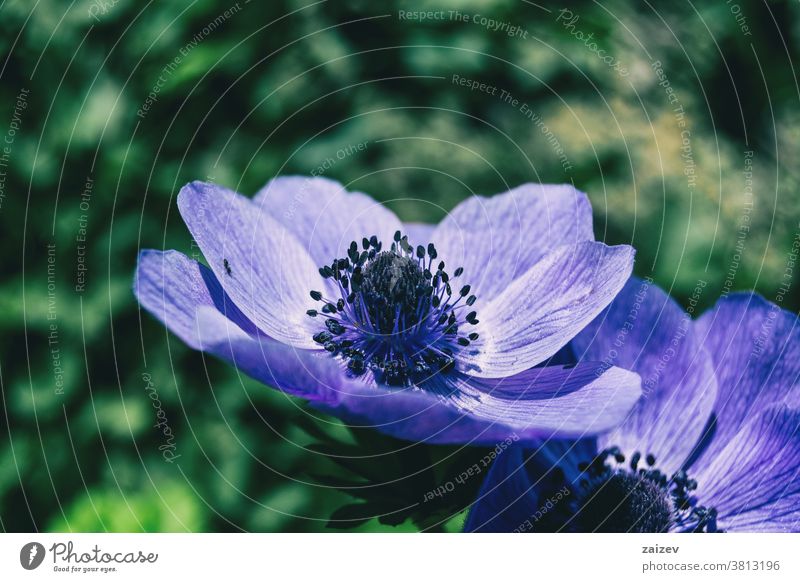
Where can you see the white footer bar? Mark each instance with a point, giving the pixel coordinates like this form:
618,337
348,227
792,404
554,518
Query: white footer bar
387,557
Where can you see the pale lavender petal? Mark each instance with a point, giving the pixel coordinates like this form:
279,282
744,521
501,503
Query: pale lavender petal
416,415
262,267
186,297
408,414
755,348
419,233
172,287
500,238
324,217
644,330
307,374
754,481
568,401
545,308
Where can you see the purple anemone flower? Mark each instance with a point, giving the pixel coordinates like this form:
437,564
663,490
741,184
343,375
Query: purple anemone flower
713,444
430,333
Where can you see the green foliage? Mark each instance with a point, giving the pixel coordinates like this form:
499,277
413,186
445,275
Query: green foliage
269,91
395,482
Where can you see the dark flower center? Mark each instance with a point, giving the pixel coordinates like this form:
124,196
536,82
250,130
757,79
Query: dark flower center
396,314
391,291
624,502
637,499
610,496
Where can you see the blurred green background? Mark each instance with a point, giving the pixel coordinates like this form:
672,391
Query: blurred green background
693,161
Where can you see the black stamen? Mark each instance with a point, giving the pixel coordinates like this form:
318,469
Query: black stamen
395,317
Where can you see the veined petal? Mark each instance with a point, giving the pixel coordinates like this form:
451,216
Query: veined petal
644,330
754,481
187,298
323,216
262,267
545,308
567,401
419,233
498,239
172,287
416,415
755,348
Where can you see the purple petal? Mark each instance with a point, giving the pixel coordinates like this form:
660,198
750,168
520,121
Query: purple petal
545,308
411,415
419,233
568,401
498,239
263,268
307,374
754,481
416,415
324,217
172,287
508,498
755,348
188,299
645,331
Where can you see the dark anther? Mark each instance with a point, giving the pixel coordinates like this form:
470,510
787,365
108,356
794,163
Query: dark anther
356,365
311,312
322,337
334,327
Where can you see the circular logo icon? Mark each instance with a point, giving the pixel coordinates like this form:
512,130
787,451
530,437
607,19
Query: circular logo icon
31,555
